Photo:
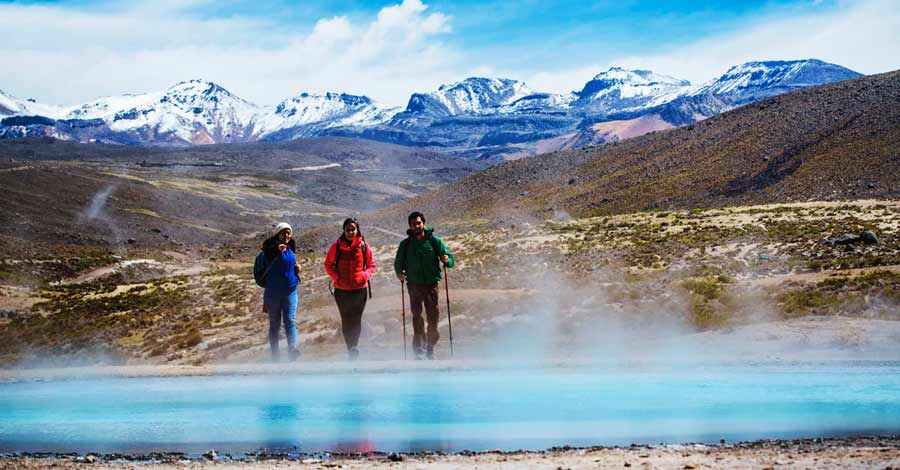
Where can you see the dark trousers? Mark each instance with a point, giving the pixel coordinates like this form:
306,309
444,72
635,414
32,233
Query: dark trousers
351,304
424,295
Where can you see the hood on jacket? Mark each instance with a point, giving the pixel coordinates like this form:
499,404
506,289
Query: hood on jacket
344,246
428,231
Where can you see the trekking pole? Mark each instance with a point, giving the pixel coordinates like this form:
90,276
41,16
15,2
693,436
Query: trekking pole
447,295
403,309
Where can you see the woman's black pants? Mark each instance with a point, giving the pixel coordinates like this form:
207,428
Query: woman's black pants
351,304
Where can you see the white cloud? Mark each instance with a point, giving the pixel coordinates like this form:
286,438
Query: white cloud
863,36
63,56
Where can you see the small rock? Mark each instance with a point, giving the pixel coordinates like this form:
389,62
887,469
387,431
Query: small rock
90,458
868,237
131,241
689,467
211,454
156,230
627,464
845,239
573,181
395,457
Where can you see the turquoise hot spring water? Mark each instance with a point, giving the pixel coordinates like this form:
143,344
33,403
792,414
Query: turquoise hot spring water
451,410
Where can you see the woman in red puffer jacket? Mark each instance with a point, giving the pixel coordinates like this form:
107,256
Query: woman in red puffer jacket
349,264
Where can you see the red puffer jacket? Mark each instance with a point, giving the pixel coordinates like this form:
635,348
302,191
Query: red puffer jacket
349,274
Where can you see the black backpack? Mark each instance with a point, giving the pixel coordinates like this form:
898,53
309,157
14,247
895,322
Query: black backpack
261,267
337,257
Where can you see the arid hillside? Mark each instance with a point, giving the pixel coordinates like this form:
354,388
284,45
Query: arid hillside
61,198
836,141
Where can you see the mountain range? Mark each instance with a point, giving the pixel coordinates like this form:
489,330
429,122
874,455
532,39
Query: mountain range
487,118
836,141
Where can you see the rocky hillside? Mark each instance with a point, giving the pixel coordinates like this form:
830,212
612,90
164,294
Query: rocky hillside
829,142
63,198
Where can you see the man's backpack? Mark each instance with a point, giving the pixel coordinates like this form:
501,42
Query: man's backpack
261,268
337,257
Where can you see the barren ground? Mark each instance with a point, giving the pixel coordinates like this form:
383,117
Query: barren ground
847,453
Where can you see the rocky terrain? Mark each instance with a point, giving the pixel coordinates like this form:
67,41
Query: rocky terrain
646,276
820,453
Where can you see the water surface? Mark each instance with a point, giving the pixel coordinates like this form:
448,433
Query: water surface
451,410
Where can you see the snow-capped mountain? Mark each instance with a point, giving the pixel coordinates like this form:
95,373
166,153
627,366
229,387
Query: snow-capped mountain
13,106
195,111
755,80
307,114
192,112
477,115
618,90
474,95
742,84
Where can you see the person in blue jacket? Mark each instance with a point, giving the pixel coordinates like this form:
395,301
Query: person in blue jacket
280,296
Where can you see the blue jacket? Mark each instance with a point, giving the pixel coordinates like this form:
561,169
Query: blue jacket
281,280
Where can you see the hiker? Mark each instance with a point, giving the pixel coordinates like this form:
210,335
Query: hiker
349,264
418,263
281,280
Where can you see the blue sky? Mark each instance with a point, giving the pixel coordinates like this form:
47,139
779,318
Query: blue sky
267,50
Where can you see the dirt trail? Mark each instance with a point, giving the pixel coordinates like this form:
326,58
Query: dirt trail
817,276
190,269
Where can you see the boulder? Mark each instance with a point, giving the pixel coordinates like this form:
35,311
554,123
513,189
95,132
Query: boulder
868,237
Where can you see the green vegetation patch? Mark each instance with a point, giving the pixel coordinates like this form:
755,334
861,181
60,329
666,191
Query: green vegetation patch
84,317
874,294
709,304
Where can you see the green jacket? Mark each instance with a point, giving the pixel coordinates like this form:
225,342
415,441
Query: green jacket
422,265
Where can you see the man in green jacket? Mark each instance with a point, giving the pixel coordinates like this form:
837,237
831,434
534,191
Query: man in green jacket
418,263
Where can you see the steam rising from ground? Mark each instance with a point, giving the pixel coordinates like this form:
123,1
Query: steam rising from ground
618,316
96,210
98,201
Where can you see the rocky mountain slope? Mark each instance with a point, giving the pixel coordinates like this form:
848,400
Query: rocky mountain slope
63,197
487,118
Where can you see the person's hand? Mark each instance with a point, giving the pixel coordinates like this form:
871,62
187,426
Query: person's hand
402,277
445,259
297,267
282,247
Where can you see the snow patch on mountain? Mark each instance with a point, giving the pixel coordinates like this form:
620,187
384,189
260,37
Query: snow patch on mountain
325,110
783,76
14,106
474,95
630,84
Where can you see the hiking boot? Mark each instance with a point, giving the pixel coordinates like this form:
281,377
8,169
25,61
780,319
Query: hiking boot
352,354
430,353
293,354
